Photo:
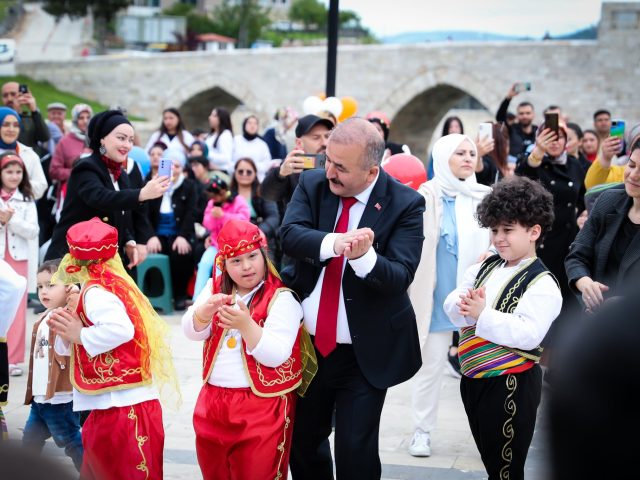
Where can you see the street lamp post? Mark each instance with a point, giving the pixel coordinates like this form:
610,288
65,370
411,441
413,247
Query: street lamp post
332,47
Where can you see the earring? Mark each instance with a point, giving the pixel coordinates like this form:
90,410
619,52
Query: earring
103,150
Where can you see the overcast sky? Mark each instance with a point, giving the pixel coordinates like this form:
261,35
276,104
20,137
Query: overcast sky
509,17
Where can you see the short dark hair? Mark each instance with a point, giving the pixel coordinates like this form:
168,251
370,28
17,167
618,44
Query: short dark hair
602,111
576,128
525,104
517,199
551,107
50,266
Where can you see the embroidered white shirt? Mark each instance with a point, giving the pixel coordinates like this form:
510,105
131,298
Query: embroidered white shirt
111,328
526,326
274,347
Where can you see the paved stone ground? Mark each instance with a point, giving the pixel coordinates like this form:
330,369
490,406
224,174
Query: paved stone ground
454,453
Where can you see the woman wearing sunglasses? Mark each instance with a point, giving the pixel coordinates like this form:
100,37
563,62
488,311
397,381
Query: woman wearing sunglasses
264,213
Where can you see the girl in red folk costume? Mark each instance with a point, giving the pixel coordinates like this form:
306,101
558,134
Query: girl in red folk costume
252,361
117,346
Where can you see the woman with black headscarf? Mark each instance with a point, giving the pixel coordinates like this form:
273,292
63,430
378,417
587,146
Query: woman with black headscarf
251,145
99,187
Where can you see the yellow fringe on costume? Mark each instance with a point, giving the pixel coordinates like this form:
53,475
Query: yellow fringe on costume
307,352
113,277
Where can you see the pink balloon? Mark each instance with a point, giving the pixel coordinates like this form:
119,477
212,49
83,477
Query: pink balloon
407,169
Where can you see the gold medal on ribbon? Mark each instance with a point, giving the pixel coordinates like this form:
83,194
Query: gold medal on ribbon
232,342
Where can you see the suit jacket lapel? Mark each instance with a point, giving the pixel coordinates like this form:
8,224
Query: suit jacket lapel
613,221
378,202
631,256
328,210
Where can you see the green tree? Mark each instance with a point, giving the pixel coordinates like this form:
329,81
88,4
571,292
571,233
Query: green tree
349,18
311,13
103,11
243,20
196,22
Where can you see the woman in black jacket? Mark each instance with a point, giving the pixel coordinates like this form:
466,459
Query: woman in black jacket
99,187
563,176
605,256
264,213
172,217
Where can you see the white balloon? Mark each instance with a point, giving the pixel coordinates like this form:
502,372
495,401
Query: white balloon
333,105
312,105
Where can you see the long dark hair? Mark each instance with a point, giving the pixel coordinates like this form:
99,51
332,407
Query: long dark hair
255,185
179,129
500,151
224,123
447,123
25,185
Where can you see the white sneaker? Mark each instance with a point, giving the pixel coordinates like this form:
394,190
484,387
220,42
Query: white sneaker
420,444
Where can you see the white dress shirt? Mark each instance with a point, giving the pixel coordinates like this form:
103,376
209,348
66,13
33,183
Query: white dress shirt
111,328
274,347
362,267
526,326
170,142
221,156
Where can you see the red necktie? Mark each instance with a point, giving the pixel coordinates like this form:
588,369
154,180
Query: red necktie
327,322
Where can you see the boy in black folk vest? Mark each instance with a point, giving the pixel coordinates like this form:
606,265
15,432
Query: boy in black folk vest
504,307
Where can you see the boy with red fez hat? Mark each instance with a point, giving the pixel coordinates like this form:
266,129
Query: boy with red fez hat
117,346
255,356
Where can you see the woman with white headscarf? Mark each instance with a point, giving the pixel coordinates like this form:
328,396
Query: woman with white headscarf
72,146
453,241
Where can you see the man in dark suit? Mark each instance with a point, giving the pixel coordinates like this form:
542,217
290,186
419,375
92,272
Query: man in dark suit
355,236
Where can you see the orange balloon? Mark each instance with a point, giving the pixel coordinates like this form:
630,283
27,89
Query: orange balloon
349,108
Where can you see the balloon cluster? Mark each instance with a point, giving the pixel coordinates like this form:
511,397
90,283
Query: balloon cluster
341,108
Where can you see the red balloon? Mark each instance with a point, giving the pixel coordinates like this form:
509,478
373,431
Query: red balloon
407,169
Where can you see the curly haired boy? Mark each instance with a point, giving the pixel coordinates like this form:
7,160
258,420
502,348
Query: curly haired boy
504,308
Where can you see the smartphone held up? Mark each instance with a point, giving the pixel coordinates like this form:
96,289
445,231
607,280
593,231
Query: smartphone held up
551,121
522,87
617,131
164,169
617,128
312,160
485,130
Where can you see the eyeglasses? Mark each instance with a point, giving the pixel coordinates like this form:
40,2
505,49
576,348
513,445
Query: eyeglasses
8,124
247,172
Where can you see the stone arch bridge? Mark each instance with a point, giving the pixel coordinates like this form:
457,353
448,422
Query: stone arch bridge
414,84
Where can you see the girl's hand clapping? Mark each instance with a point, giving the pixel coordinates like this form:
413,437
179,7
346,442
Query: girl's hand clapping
238,318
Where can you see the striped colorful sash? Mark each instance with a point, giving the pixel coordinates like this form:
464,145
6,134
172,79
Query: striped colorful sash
480,358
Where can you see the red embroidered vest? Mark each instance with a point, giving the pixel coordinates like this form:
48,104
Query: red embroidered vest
264,381
117,369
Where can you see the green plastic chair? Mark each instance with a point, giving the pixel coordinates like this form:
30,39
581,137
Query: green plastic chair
154,279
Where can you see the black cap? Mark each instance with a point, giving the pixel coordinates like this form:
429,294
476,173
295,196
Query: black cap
306,123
